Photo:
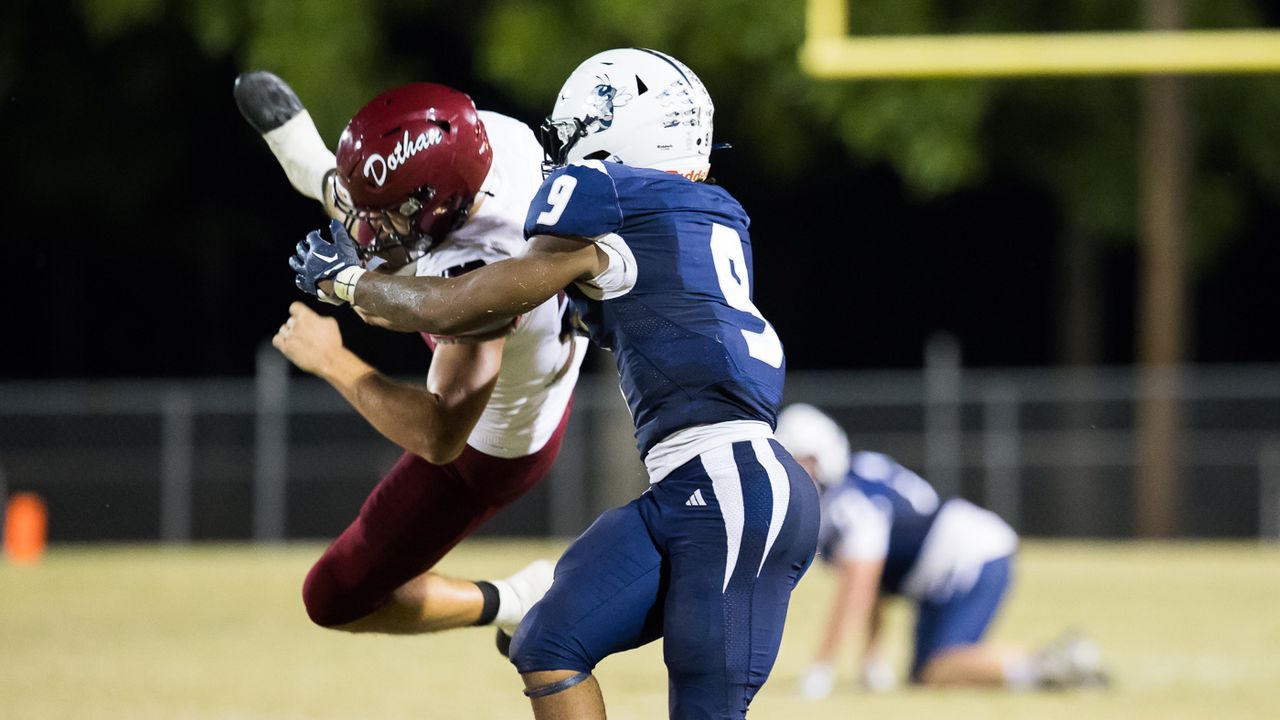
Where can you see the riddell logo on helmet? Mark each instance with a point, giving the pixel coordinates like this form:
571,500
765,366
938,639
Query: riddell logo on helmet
377,167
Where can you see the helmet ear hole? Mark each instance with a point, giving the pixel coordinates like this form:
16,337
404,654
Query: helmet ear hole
597,155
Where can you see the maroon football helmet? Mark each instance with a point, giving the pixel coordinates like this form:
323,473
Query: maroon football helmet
409,166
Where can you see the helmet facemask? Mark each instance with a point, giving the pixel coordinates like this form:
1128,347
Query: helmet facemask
407,226
409,166
558,138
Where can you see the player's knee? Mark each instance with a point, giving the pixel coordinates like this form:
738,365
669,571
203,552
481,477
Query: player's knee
536,647
328,603
318,598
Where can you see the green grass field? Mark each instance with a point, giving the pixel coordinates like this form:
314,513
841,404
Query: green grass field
1191,631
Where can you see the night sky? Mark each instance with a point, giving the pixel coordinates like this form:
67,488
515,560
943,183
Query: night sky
150,229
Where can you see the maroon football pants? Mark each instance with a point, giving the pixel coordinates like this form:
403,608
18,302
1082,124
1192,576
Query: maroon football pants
416,514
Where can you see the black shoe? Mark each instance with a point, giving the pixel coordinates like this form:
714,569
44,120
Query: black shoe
265,100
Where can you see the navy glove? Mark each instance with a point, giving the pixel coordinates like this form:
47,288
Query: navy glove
327,256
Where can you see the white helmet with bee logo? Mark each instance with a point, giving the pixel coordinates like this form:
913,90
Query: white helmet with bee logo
632,106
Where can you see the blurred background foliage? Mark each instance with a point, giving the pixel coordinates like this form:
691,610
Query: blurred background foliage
952,200
1077,136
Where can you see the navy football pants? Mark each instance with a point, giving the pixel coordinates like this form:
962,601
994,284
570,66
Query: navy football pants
961,619
706,558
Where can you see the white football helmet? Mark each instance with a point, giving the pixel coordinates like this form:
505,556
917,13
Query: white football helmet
633,106
804,430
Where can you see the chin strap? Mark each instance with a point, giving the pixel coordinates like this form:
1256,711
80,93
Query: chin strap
556,687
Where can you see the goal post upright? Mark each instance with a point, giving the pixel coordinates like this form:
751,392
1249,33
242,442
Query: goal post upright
830,52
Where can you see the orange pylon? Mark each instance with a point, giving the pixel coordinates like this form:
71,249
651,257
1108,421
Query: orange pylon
26,524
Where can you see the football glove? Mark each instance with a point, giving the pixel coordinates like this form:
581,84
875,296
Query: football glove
327,254
877,676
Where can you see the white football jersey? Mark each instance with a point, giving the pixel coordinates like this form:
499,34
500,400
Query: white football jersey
932,549
539,370
963,539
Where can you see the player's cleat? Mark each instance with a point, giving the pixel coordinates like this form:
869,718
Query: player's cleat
265,101
274,110
519,592
1073,661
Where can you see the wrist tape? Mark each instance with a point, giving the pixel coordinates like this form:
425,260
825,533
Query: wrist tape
344,283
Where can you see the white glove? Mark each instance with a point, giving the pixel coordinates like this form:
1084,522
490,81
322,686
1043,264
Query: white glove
818,681
877,676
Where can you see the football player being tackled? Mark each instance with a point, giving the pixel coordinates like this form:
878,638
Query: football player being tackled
659,265
430,186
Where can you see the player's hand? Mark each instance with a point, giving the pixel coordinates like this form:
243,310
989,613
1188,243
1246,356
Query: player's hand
324,260
877,676
818,681
308,339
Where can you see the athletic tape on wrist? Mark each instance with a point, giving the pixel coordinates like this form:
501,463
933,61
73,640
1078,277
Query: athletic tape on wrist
344,284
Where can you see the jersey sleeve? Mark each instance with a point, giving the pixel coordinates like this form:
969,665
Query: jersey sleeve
578,200
862,527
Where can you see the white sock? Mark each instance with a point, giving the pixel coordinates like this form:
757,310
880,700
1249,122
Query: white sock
302,153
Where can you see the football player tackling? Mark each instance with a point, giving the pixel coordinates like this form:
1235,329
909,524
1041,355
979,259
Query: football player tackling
428,186
659,265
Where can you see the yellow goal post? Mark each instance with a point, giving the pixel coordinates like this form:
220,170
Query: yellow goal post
829,52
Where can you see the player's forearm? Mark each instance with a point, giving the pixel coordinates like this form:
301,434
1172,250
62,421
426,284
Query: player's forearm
830,645
453,306
837,624
409,416
420,303
850,614
875,624
416,304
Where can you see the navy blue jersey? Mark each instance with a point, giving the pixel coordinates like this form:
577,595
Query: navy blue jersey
675,304
880,510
